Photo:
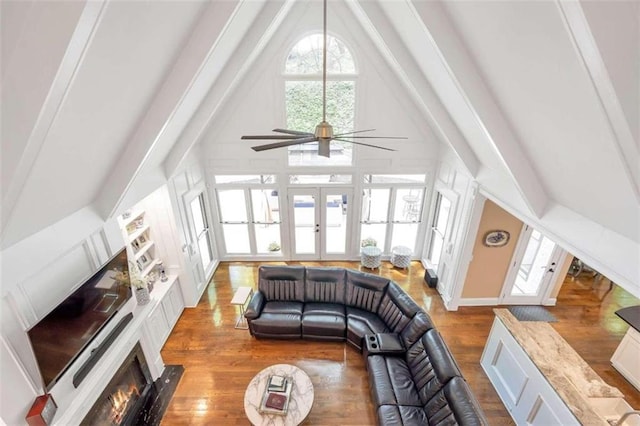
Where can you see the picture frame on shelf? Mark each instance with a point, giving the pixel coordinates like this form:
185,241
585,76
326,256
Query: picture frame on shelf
136,245
142,239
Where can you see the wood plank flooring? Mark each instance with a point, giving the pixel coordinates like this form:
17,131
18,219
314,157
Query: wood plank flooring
220,360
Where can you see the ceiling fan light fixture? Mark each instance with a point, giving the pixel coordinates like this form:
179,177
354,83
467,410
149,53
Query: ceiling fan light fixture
324,130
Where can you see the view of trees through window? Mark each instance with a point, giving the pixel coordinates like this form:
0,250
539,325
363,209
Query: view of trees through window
303,97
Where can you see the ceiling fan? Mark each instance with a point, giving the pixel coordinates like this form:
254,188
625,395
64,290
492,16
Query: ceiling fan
324,131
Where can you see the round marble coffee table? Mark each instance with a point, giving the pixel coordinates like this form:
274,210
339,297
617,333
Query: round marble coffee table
299,404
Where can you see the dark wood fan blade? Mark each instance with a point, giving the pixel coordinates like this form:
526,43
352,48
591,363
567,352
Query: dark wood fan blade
363,144
350,133
284,143
269,137
376,137
293,132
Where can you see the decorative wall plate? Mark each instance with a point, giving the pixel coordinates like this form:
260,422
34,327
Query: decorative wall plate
497,238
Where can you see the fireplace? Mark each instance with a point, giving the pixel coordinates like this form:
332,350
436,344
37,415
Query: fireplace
124,399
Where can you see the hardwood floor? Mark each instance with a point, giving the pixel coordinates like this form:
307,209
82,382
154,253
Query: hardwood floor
220,360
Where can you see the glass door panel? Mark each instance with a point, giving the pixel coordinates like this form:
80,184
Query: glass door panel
334,222
201,230
266,220
232,205
534,265
306,223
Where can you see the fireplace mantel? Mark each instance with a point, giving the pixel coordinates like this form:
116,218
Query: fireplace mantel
149,327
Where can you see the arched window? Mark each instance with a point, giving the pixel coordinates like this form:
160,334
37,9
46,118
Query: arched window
303,97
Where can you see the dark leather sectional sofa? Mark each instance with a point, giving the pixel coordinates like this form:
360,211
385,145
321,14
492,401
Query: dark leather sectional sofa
413,377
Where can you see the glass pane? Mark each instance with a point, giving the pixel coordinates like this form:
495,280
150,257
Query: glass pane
232,205
268,238
394,178
404,234
303,100
266,208
408,206
529,284
306,56
442,217
304,208
197,215
373,233
205,250
435,248
322,179
375,205
236,238
336,224
245,179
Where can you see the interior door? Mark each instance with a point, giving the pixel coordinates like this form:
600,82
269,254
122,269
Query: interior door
320,219
532,269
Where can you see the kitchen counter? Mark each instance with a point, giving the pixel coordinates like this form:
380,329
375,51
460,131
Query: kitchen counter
631,316
575,383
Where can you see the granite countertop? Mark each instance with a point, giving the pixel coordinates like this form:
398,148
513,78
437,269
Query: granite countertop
631,315
567,373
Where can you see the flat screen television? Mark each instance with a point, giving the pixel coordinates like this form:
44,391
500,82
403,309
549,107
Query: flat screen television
60,337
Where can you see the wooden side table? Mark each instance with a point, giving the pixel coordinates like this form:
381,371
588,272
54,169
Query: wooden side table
240,298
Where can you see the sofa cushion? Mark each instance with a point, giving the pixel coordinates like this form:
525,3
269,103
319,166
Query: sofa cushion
282,283
454,405
282,308
360,323
397,308
277,326
431,364
325,285
324,308
415,329
323,326
391,382
402,415
365,291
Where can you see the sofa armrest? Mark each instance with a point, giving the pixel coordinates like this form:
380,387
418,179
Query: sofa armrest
255,306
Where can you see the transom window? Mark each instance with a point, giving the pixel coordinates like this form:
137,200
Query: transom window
303,98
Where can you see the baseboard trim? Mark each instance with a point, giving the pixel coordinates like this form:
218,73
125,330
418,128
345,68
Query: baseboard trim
479,301
550,302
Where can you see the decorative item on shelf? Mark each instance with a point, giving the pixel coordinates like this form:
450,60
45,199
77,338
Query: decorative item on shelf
139,223
274,246
142,239
42,411
140,288
496,238
151,280
369,242
126,214
163,275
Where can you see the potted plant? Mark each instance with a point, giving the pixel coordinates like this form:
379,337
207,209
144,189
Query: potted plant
274,246
139,286
369,242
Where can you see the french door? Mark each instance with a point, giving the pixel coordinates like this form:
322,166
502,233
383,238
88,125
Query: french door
533,267
320,222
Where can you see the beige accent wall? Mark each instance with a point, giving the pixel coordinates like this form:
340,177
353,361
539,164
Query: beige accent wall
489,266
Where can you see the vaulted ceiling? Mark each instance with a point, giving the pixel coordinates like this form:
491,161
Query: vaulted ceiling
539,100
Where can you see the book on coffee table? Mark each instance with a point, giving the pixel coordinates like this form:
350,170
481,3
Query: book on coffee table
274,402
277,383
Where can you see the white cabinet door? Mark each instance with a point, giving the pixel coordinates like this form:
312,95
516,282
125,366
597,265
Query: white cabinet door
626,360
158,327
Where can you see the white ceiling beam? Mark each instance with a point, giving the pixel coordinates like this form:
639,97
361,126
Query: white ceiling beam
377,26
456,79
221,28
266,25
587,49
74,55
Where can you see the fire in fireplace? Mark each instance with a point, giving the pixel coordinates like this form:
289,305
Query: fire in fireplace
123,400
